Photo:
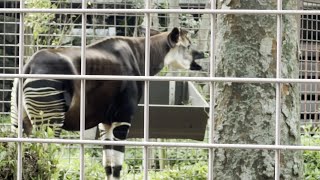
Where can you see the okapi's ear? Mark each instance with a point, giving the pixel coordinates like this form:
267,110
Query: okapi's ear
174,35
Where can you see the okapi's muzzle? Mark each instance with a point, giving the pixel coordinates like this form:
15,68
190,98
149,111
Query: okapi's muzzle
196,55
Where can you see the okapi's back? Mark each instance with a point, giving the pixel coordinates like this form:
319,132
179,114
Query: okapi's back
97,62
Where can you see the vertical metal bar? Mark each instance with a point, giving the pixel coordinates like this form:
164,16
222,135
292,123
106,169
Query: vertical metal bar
303,66
4,63
146,92
212,97
278,89
115,17
125,20
316,51
15,40
20,104
313,74
83,86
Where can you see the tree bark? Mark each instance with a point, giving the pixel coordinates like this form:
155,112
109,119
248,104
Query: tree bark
203,33
155,24
173,17
246,112
154,19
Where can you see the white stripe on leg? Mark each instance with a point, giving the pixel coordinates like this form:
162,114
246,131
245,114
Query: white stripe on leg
118,158
106,135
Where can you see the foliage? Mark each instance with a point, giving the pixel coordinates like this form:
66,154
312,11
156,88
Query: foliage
41,24
197,171
39,160
186,163
188,156
36,20
133,160
4,119
47,161
69,167
311,137
187,21
163,71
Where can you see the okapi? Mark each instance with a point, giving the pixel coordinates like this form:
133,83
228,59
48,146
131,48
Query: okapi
110,104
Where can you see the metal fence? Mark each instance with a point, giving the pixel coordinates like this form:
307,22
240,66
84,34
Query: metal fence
309,63
120,18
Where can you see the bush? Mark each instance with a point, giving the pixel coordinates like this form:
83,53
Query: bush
39,160
182,163
311,137
197,171
47,161
69,165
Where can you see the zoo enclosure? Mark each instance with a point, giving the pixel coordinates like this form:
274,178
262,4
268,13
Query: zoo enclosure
308,66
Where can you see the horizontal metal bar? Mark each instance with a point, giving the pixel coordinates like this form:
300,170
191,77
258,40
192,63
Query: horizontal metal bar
173,11
160,78
4,102
176,106
1,114
161,144
39,46
8,68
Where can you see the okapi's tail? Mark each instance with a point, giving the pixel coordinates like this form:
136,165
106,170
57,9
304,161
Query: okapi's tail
14,101
26,123
14,105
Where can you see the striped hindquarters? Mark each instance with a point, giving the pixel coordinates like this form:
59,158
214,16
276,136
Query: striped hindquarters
44,103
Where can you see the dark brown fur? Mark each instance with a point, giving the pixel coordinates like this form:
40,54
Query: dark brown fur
100,94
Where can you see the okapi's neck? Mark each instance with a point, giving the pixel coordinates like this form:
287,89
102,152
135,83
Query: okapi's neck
159,48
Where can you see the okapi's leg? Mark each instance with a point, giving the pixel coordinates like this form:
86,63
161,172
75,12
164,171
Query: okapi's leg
45,103
106,135
125,107
113,156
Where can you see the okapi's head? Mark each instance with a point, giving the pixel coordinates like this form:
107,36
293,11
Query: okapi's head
177,49
181,55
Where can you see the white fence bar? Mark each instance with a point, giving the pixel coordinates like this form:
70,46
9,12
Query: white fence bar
20,85
161,144
161,78
146,92
83,88
278,93
162,11
212,97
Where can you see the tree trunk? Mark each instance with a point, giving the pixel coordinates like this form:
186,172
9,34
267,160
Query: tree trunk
154,19
245,112
155,24
173,17
203,33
